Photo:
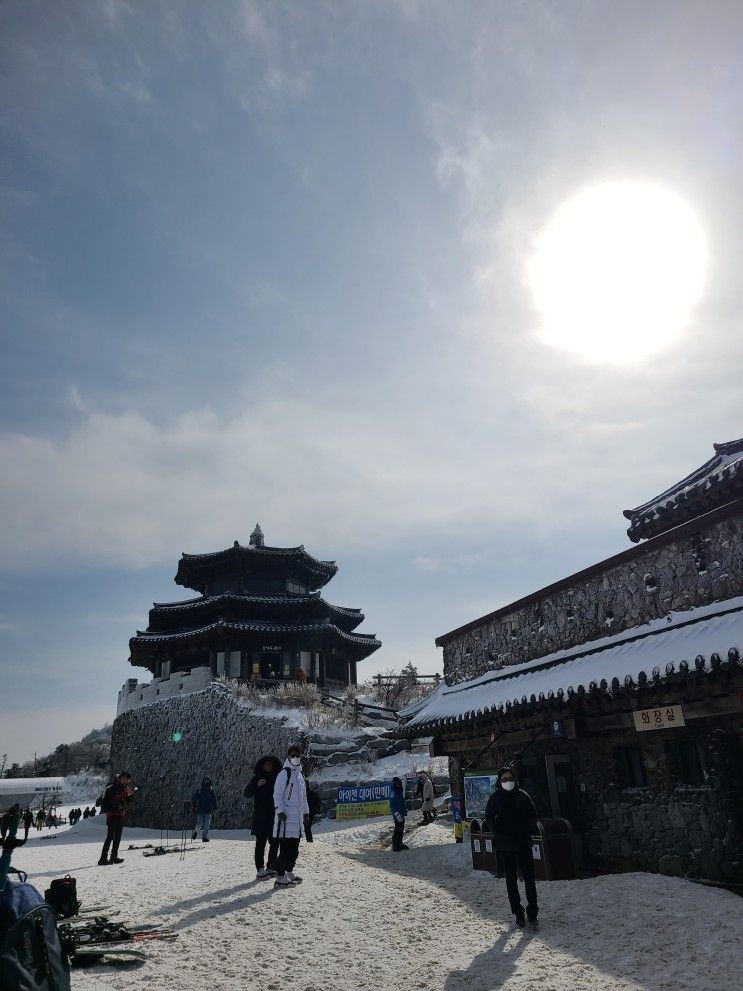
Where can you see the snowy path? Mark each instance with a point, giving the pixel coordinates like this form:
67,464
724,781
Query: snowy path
366,918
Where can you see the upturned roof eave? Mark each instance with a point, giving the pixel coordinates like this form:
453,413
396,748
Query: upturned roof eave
349,617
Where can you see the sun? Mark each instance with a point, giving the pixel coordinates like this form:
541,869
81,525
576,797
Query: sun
617,271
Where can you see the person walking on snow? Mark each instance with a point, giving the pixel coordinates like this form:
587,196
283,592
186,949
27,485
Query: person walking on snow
28,818
204,802
260,790
428,810
513,821
116,799
290,801
399,811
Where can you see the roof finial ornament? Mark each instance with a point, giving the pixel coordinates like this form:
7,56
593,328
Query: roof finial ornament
256,537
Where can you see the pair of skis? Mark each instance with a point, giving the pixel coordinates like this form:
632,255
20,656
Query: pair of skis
98,939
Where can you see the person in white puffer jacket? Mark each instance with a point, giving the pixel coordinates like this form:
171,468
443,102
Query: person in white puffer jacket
292,810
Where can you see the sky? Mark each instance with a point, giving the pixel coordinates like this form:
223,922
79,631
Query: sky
266,261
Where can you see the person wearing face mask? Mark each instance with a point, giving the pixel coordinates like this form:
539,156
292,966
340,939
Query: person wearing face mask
260,790
290,802
513,821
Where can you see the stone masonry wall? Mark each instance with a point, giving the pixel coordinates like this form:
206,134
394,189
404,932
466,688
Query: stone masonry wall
222,738
694,570
664,827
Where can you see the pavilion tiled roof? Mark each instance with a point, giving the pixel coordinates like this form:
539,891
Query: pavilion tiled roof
700,640
286,599
319,571
144,638
716,482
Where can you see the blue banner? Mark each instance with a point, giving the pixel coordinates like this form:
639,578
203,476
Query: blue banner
377,792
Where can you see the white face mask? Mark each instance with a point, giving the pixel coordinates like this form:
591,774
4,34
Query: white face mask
295,761
508,785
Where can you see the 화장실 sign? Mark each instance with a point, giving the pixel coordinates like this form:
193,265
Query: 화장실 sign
663,717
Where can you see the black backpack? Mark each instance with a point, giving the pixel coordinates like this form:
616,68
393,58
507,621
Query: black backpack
104,802
62,896
31,955
314,802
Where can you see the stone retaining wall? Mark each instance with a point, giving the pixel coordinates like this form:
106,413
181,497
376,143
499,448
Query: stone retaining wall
169,746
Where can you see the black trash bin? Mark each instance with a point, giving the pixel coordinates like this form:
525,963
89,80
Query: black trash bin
477,846
489,858
554,856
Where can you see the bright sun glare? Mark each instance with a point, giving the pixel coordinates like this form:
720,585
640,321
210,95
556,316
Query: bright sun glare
617,271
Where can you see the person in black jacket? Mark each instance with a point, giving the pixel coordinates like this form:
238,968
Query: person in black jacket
314,803
260,790
513,820
204,803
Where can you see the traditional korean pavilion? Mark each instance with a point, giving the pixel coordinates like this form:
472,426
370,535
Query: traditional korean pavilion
259,615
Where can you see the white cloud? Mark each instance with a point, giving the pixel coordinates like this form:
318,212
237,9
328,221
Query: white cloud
122,490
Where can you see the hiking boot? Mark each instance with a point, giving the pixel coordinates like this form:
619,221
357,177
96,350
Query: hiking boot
193,835
263,873
294,878
520,919
534,923
204,839
283,881
103,862
117,860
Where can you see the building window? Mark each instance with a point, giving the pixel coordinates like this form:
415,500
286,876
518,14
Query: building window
691,764
636,777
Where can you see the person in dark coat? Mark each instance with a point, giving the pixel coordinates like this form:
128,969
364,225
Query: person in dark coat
314,803
204,802
260,790
115,801
28,818
399,811
512,816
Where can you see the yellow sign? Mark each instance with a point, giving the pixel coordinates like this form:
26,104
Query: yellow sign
362,810
664,717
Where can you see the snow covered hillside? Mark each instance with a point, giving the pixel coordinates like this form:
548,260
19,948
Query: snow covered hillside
86,786
365,917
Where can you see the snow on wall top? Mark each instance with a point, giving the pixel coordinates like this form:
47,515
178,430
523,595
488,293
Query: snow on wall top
681,636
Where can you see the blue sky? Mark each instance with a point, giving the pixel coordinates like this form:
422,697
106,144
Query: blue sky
266,261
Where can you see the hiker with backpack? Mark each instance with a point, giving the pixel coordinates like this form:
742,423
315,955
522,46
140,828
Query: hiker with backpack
114,803
204,802
399,811
290,801
260,789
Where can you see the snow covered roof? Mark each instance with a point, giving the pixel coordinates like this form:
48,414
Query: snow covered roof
717,481
696,638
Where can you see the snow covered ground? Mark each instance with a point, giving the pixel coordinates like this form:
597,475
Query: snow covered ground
367,918
384,769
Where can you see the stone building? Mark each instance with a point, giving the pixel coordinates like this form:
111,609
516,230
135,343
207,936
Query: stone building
618,691
259,616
